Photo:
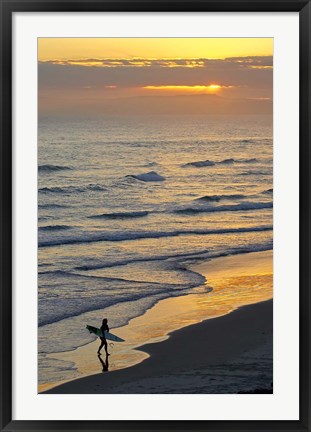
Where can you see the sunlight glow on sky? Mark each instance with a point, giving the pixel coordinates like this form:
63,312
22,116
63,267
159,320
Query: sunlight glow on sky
218,48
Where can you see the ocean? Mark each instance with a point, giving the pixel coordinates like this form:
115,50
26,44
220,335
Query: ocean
127,203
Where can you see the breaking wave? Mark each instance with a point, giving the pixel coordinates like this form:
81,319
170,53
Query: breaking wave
151,176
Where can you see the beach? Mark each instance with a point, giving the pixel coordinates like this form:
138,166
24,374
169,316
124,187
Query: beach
234,350
142,216
216,342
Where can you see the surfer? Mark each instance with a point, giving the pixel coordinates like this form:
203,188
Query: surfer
104,327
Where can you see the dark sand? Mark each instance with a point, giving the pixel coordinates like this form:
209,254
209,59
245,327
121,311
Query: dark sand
228,354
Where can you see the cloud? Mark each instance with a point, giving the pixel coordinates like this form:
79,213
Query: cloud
238,71
135,62
241,62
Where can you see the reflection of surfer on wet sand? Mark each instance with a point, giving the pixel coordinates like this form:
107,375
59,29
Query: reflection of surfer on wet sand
105,363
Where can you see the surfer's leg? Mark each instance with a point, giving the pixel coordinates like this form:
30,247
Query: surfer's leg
106,348
101,345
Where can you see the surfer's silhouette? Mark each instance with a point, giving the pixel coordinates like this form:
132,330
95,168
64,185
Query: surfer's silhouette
105,364
104,327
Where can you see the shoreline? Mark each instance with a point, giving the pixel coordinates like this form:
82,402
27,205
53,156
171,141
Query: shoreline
227,275
209,354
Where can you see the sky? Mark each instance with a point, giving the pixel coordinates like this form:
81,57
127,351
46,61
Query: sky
122,76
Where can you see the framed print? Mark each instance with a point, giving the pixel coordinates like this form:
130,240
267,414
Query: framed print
155,216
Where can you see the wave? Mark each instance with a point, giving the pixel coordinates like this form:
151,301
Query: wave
232,161
151,176
52,168
252,160
235,207
126,236
255,172
103,302
84,276
229,161
267,192
199,164
121,215
182,257
150,164
55,228
248,141
53,308
72,189
52,206
217,198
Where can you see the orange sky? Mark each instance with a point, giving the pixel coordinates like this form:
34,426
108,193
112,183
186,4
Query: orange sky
77,48
140,75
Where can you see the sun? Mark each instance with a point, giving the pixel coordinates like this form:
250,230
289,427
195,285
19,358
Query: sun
212,88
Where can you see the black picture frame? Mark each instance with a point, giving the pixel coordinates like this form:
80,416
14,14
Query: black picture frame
8,7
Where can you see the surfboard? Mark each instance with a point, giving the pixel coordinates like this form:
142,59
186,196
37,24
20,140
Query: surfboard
108,335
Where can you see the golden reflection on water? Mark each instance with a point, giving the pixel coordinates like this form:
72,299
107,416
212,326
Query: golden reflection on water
236,281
